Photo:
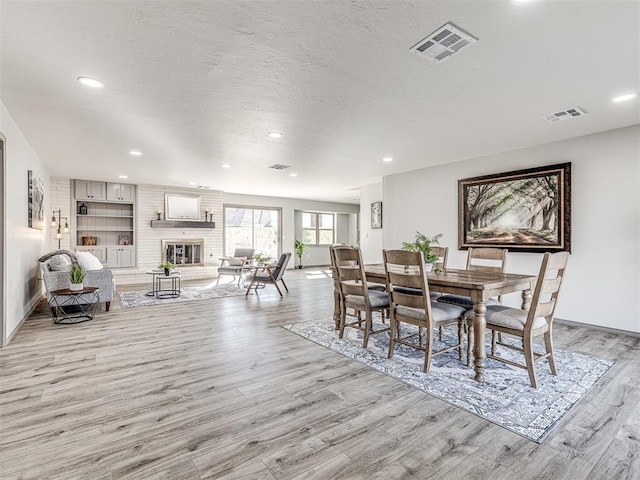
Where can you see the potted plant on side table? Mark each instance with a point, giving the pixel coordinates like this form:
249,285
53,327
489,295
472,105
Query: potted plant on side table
422,244
76,275
168,266
300,247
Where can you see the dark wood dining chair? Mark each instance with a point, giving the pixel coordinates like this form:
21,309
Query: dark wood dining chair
336,285
405,270
356,295
527,325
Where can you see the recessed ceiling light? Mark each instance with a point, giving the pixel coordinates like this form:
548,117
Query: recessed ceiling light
90,82
193,184
122,176
625,97
225,165
293,174
387,159
135,153
275,134
520,1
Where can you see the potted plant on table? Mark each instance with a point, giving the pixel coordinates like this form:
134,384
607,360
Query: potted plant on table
300,247
422,244
76,275
167,266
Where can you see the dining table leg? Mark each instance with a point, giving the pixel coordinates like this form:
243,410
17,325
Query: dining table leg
479,351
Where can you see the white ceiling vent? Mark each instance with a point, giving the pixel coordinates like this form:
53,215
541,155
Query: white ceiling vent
279,166
444,43
564,115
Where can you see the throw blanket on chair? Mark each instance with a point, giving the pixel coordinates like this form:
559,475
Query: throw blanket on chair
68,253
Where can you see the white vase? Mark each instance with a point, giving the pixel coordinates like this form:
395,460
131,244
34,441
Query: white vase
428,266
75,287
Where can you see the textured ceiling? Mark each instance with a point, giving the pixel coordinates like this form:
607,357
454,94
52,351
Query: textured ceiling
197,84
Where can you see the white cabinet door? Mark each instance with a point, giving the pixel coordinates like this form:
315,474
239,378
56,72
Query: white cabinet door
87,190
98,190
120,257
127,192
113,257
120,192
127,257
113,192
83,190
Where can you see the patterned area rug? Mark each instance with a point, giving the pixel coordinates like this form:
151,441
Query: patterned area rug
505,398
187,294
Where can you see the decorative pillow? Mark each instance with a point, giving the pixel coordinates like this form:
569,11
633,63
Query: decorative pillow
237,261
89,261
59,263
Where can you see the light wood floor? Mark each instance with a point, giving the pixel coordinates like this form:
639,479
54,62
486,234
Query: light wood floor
216,389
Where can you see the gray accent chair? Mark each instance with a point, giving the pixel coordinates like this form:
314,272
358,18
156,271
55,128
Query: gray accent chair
270,274
56,280
237,264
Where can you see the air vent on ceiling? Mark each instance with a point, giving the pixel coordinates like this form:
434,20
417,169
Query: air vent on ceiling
564,115
279,166
204,187
444,43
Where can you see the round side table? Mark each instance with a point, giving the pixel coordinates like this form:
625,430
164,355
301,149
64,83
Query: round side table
173,291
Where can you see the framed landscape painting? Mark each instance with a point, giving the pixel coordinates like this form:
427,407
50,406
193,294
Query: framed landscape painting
524,211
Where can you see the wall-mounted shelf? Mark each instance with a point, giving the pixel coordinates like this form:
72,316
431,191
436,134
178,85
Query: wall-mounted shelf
181,224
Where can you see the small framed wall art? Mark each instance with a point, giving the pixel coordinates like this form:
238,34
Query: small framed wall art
376,215
35,189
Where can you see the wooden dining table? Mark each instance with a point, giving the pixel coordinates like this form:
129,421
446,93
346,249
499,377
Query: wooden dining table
480,286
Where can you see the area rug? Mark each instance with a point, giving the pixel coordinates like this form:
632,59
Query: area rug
187,294
506,398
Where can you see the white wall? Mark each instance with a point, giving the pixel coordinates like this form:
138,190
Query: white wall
24,245
371,239
602,285
312,255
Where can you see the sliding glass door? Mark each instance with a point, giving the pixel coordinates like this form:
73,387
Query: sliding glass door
252,227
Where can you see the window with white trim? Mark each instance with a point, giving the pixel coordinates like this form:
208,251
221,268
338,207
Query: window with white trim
318,228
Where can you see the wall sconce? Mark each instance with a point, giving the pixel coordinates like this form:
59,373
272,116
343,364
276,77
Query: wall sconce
58,223
158,213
